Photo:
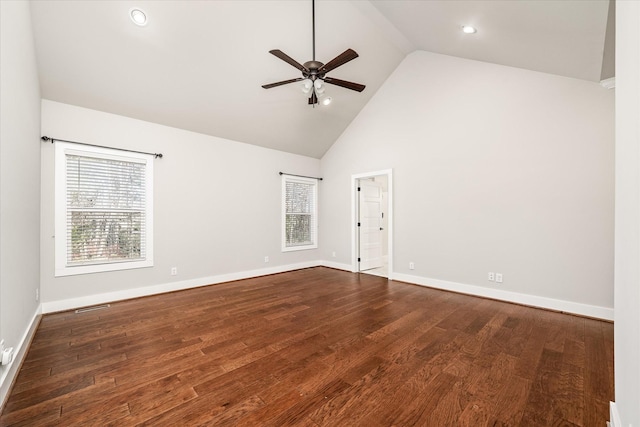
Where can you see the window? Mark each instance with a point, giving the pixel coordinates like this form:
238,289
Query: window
103,210
299,219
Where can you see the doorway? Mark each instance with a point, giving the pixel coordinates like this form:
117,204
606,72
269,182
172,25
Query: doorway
373,225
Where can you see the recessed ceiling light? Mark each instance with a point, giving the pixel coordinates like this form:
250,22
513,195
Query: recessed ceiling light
326,101
468,29
138,17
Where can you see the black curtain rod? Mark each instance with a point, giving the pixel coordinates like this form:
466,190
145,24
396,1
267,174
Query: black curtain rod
46,138
300,176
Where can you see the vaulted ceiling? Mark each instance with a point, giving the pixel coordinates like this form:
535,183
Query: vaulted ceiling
199,65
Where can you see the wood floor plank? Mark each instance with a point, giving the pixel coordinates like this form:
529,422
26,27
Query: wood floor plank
510,402
63,387
568,390
300,411
598,381
105,414
53,405
36,418
74,372
420,411
314,347
351,403
265,414
302,377
539,407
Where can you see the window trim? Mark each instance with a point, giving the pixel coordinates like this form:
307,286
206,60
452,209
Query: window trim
60,210
314,214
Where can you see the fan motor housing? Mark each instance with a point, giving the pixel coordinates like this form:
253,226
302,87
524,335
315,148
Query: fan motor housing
313,66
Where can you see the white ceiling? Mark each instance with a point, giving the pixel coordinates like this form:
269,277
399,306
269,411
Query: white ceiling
199,65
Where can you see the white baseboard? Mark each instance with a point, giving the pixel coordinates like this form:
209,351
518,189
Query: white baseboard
9,372
89,300
614,416
515,297
337,265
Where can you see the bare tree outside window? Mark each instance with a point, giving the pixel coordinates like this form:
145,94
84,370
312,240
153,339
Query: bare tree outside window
300,196
106,209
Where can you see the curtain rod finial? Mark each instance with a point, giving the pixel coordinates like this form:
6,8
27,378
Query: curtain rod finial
46,138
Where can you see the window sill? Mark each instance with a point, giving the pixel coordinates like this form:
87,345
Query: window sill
299,248
100,268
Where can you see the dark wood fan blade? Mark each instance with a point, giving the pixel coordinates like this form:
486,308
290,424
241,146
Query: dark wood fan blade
286,58
343,83
339,60
284,82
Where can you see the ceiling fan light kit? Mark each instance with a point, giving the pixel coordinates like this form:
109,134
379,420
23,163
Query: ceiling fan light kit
307,84
314,72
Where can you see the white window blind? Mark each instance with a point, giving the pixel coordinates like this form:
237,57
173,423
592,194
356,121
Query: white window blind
103,210
300,213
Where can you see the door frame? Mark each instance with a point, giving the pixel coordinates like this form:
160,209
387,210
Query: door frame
355,202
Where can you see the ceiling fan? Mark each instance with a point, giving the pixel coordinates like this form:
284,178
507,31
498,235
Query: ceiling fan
314,73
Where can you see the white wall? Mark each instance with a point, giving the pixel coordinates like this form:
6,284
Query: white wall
19,181
627,263
495,169
217,207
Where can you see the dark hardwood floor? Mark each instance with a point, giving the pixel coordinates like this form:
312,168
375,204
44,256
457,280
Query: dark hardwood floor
315,347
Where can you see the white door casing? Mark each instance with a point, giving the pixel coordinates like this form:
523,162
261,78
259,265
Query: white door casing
389,217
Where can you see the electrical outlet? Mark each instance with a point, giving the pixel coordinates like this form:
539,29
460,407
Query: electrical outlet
491,276
499,277
37,295
412,266
333,254
7,355
2,349
266,259
174,271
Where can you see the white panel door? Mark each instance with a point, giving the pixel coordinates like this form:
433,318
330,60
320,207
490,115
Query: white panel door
370,229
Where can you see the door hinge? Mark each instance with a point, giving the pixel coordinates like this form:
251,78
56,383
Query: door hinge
358,188
358,259
358,224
